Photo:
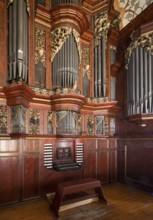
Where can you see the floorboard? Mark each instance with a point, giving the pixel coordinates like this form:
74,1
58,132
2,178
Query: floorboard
125,203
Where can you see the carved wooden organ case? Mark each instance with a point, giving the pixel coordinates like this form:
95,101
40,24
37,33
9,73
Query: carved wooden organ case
59,69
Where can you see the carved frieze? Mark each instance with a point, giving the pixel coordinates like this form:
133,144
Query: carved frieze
34,121
3,119
97,100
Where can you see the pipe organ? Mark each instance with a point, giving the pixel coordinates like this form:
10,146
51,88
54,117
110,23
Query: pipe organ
139,75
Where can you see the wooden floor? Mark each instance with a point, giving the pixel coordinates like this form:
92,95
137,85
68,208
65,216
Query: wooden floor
125,203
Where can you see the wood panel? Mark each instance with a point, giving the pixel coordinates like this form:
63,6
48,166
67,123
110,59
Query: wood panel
30,176
103,161
9,171
112,160
31,171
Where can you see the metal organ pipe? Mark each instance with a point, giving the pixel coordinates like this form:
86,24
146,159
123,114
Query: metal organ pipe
104,64
95,67
137,81
18,41
14,37
133,82
141,81
10,43
150,79
146,80
99,70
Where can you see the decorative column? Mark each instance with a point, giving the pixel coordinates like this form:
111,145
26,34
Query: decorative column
18,11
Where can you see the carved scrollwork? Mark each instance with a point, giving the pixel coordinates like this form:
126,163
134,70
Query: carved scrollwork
101,26
58,38
145,41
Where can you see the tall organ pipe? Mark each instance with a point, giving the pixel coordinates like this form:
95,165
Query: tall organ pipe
18,41
150,79
104,64
146,80
99,70
95,72
133,82
141,81
137,81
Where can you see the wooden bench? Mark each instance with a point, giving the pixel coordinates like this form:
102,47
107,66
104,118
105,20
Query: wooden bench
76,186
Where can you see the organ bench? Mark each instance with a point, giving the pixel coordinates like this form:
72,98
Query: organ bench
73,187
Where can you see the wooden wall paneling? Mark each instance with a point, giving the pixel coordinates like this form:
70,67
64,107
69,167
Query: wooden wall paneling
103,161
31,171
90,167
121,160
9,172
139,162
112,160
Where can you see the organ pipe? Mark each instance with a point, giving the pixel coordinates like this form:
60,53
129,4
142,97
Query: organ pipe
137,81
104,64
133,83
99,70
141,81
150,79
146,81
95,67
18,41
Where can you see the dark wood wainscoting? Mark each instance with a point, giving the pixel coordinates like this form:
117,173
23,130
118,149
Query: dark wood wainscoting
135,162
24,176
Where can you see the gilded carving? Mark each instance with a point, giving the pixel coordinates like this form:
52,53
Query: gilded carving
40,53
34,121
145,41
86,61
90,125
3,119
50,122
101,26
97,100
58,38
